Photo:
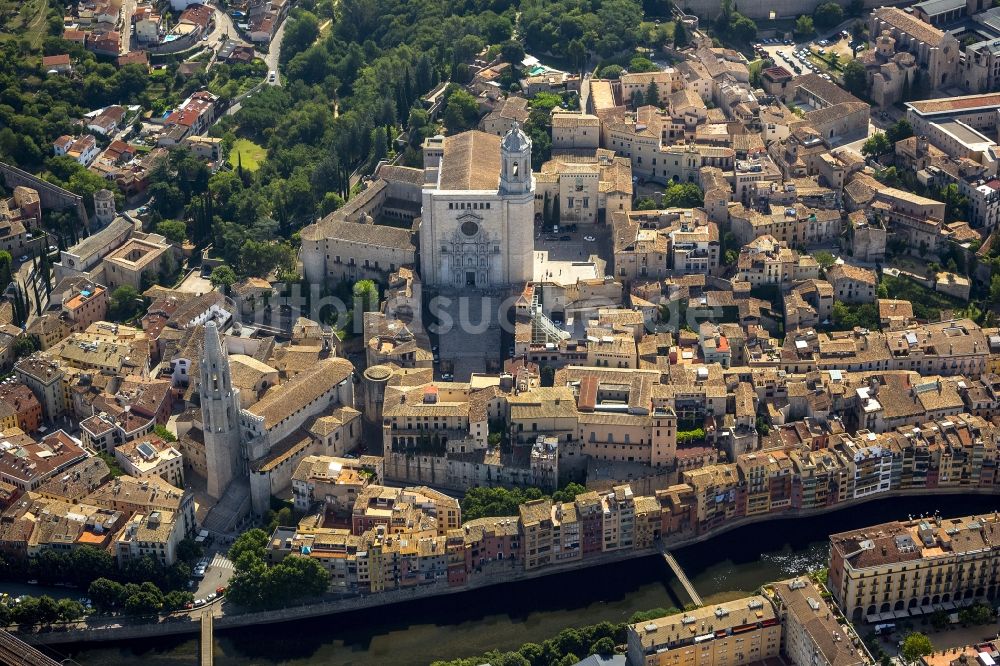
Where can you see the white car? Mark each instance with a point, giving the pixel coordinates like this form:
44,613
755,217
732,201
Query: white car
589,239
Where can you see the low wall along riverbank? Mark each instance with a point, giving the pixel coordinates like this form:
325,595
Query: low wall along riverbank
125,628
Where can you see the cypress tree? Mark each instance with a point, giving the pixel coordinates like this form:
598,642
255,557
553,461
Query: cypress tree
680,35
38,300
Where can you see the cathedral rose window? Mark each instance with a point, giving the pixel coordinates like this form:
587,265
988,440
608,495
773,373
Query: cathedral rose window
470,228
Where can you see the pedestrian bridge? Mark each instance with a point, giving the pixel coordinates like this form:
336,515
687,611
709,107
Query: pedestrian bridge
681,576
15,651
206,656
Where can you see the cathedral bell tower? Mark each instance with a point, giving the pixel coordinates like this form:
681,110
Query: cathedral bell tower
515,158
220,413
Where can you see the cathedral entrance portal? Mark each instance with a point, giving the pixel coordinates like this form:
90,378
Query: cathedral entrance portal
470,279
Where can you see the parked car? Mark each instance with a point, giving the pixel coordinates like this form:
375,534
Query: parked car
565,238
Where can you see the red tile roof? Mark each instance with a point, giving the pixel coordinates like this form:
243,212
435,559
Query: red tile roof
55,61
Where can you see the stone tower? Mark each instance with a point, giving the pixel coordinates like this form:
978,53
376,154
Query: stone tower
515,158
885,45
220,413
104,207
517,190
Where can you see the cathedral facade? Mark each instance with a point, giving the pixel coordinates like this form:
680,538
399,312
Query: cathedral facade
477,224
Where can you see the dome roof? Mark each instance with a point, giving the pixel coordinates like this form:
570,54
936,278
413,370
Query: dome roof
515,141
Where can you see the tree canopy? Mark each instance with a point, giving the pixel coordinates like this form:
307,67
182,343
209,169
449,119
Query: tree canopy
606,27
828,14
876,145
683,195
484,502
855,79
461,110
256,585
804,26
916,645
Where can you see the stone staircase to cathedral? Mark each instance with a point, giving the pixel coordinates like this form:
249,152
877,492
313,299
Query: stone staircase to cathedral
231,510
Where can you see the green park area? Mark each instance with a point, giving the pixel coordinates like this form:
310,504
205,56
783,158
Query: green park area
247,153
24,19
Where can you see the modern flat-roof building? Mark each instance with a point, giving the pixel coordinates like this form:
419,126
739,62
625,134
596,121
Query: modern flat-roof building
152,456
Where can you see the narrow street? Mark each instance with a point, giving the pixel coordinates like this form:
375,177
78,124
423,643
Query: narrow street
224,25
125,31
273,53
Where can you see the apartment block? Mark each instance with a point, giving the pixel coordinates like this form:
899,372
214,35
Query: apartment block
900,569
742,631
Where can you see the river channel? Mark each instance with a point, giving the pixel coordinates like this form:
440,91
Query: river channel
504,617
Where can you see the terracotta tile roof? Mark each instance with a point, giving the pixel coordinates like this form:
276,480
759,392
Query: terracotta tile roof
369,234
911,25
471,161
284,400
849,272
55,61
949,104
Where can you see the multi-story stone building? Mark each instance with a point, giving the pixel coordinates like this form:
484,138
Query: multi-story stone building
44,376
936,51
900,569
655,244
852,284
810,631
742,631
795,225
575,131
585,188
766,261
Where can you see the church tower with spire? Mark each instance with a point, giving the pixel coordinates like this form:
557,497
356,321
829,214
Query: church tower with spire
220,413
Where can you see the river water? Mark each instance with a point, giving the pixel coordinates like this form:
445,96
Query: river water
504,617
